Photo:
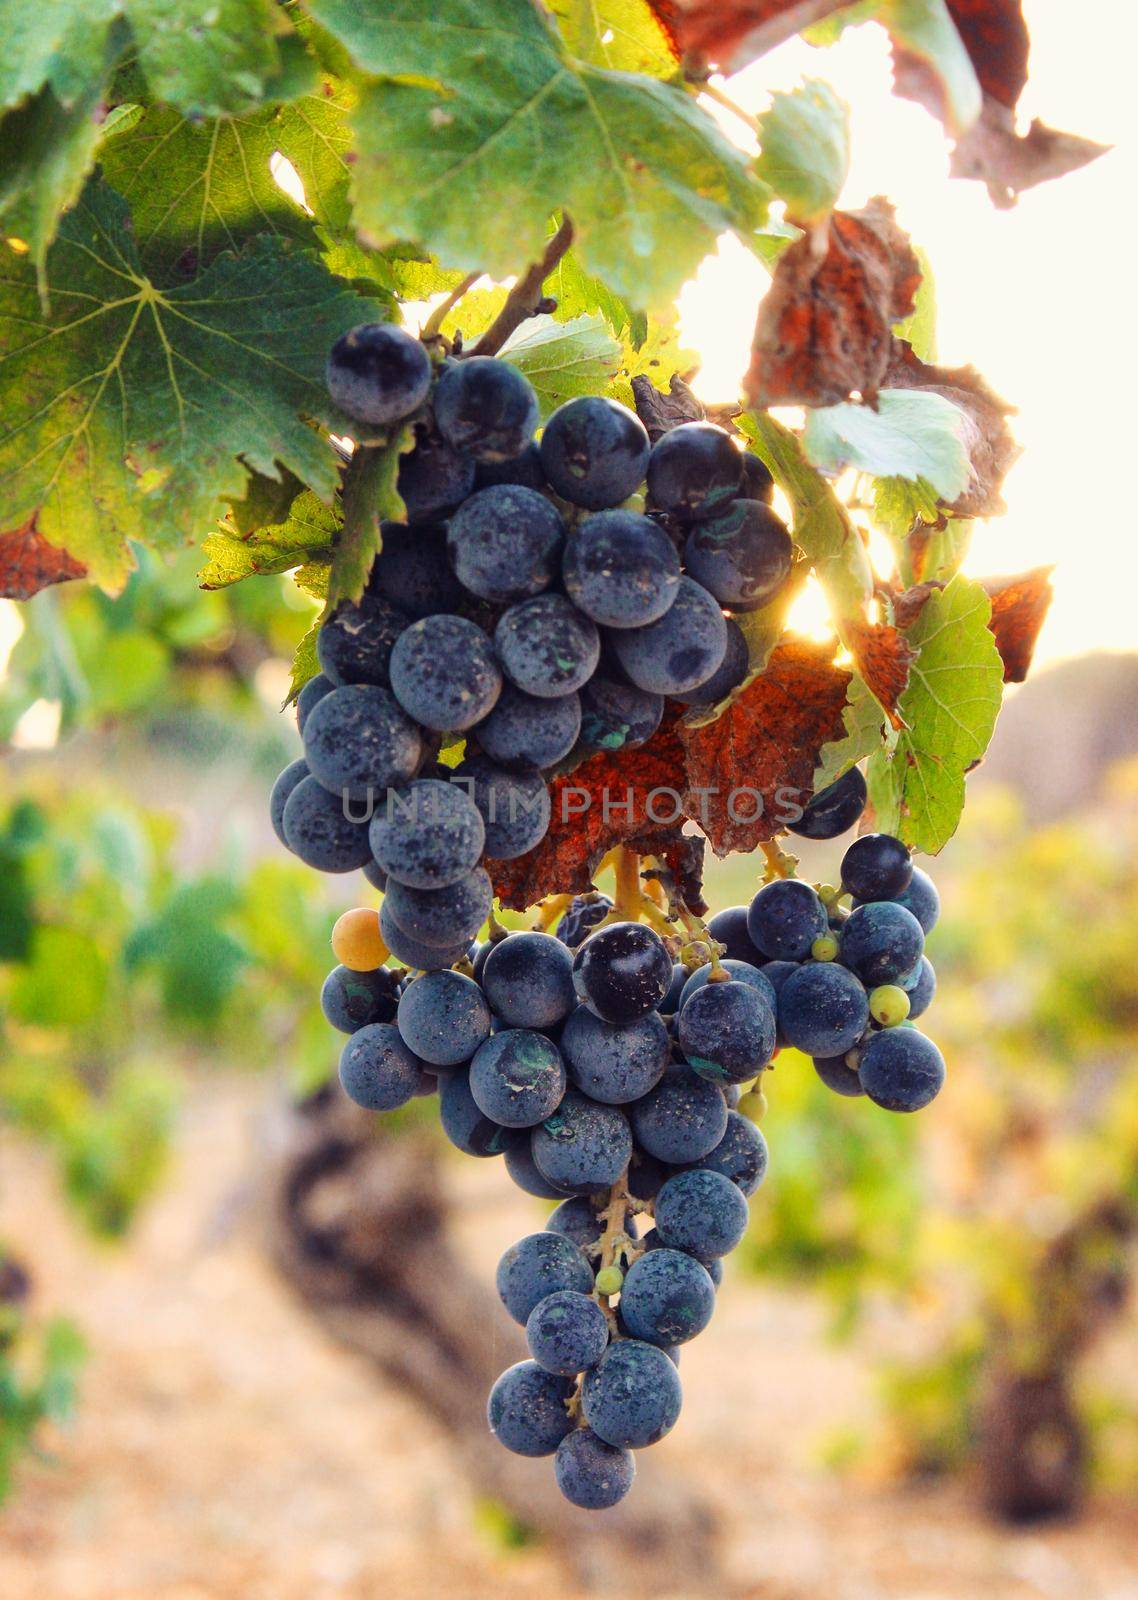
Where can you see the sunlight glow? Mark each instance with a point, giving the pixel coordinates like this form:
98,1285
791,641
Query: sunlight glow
38,728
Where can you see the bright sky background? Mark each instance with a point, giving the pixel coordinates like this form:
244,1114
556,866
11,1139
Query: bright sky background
1039,298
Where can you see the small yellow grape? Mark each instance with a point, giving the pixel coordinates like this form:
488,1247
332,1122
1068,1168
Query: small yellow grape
753,1105
609,1280
825,948
356,940
889,1005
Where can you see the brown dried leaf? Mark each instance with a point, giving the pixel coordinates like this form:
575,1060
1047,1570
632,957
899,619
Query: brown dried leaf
765,746
991,447
882,656
660,412
825,326
1019,606
1008,162
734,34
28,563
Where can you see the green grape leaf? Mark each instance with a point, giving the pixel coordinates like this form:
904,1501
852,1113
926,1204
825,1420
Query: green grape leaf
462,135
624,35
657,356
865,733
48,150
822,526
370,499
913,434
770,241
564,359
900,502
926,42
579,294
196,188
265,500
949,709
804,152
919,327
305,664
305,537
474,313
935,554
125,411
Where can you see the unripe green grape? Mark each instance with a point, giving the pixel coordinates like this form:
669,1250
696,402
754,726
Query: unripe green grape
609,1280
889,1005
753,1105
824,948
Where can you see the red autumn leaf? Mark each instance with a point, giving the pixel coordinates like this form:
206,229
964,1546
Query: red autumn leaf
825,326
743,768
609,800
28,563
882,656
733,34
1019,605
991,447
908,606
1008,162
995,37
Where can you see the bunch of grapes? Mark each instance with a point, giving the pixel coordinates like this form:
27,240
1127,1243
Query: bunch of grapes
616,1064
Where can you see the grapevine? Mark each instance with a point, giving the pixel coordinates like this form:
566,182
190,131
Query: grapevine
555,590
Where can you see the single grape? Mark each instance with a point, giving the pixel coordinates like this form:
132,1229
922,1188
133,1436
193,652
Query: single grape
583,1147
378,373
729,928
523,469
741,555
837,1074
753,1105
350,1000
358,741
538,1265
825,948
667,1297
575,1219
727,676
590,1473
546,646
888,1005
741,972
523,731
356,941
443,1017
377,1070
615,1064
646,1173
505,543
355,644
876,867
316,829
594,452
740,1155
901,1069
622,972
617,716
682,1119
515,806
375,875
413,571
610,1280
294,773
701,1212
785,918
694,469
523,1170
631,1398
920,986
881,942
315,689
414,952
526,1410
445,917
468,1128
922,899
428,835
528,981
444,673
713,1266
822,1009
486,407
433,478
833,809
670,1004
681,650
567,1332
621,569
518,1078
727,1031
583,915
756,482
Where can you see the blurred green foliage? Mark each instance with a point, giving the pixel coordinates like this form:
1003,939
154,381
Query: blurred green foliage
39,1367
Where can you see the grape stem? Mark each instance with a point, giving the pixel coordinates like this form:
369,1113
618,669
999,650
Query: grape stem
627,899
780,863
434,323
721,98
525,297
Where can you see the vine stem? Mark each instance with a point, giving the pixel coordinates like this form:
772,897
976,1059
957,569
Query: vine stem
434,323
627,901
780,863
523,299
721,98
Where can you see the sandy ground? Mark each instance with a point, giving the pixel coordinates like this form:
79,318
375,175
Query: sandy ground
225,1450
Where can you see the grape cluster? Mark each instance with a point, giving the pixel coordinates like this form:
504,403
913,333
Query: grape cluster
528,606
540,602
